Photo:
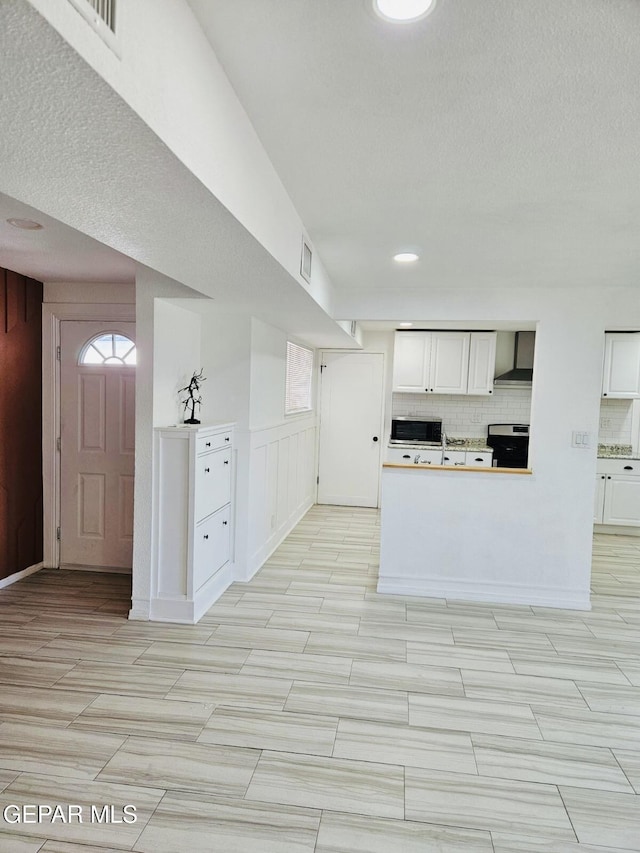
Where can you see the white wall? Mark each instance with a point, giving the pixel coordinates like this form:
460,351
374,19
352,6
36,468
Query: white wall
268,364
536,531
244,361
176,355
150,287
89,292
168,73
282,450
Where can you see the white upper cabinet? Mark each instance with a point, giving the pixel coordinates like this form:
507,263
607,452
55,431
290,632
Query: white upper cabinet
449,362
411,359
621,375
482,363
444,362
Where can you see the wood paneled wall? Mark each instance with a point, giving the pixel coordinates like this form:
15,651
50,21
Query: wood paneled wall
20,422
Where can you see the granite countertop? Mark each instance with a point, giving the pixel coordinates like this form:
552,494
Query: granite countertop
616,451
462,444
478,444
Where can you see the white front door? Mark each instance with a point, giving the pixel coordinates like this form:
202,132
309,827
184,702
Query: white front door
97,402
351,418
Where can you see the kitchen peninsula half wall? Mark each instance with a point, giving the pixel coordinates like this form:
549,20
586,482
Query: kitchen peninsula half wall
440,539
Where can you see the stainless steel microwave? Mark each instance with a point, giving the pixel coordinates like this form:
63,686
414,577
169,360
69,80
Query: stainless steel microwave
416,431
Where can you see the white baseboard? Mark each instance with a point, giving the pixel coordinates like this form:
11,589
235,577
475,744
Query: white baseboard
140,610
17,576
491,593
185,611
109,570
260,557
616,530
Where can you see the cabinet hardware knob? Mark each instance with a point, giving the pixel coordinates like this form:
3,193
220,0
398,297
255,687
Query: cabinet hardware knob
375,437
491,392
605,394
225,522
206,470
208,444
227,438
426,389
628,467
206,536
603,477
226,462
608,478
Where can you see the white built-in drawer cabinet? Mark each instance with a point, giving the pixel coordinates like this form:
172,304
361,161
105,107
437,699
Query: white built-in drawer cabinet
193,520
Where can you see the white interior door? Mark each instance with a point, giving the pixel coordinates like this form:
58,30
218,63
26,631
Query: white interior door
351,418
97,402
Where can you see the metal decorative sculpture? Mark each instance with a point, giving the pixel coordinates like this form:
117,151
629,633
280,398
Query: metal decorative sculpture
193,396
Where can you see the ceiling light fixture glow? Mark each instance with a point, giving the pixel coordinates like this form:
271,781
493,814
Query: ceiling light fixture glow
403,10
25,224
406,324
405,257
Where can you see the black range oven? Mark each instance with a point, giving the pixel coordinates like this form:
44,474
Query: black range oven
510,443
416,431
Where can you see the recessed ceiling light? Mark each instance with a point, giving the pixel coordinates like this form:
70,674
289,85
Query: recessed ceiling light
25,224
405,324
405,257
403,10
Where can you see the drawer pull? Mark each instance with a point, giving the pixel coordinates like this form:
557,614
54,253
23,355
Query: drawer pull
226,461
206,470
406,456
478,459
225,523
208,444
227,438
206,536
628,467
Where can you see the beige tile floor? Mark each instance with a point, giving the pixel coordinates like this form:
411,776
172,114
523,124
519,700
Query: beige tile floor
308,713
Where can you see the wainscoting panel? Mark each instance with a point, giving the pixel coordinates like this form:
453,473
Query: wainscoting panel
281,485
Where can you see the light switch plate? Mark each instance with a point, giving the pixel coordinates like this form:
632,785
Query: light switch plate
581,439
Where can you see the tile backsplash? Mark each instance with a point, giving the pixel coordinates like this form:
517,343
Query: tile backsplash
468,416
615,421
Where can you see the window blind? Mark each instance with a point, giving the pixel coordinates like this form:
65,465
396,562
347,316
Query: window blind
299,379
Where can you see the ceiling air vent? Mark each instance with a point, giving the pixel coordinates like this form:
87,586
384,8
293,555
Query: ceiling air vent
101,16
305,261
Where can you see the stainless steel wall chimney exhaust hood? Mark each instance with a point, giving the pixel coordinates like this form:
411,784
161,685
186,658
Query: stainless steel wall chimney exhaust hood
522,372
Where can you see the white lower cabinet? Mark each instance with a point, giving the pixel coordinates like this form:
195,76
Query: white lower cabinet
411,455
617,498
478,458
193,519
453,457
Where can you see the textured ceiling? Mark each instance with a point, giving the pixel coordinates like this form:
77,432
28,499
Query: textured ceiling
57,252
499,138
73,150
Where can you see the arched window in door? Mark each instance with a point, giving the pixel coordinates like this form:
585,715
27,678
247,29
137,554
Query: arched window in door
109,348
